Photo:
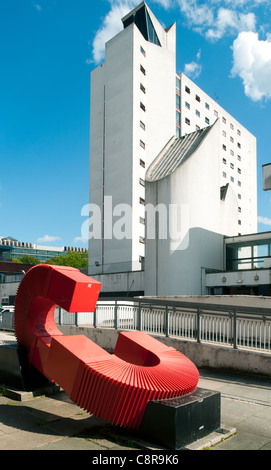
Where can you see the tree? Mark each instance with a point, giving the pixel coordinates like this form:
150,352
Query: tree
72,258
26,259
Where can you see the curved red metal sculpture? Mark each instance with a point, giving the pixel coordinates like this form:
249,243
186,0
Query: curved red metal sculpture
115,387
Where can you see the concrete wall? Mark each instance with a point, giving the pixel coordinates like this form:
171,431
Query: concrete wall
122,282
234,278
8,289
174,267
201,354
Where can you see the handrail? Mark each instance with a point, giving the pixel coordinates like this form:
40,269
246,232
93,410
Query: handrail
232,325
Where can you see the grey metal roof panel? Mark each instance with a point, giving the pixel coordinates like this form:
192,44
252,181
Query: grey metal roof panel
174,154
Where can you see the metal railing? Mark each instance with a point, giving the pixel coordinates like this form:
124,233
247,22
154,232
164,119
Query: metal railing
233,326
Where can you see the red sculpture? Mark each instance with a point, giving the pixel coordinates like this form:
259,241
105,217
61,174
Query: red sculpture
115,387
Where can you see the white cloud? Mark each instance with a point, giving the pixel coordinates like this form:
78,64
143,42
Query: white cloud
111,26
164,3
252,63
216,19
264,220
80,239
196,14
48,238
193,69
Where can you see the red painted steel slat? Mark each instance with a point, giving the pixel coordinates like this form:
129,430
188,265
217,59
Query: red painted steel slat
115,387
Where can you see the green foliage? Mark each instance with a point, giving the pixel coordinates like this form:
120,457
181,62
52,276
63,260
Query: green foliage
72,258
27,259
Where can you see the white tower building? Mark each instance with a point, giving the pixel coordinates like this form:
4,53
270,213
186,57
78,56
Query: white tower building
132,118
141,114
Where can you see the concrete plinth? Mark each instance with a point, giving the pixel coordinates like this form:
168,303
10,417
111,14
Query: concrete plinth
176,422
16,371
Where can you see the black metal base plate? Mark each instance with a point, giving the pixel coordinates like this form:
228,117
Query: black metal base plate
177,422
17,372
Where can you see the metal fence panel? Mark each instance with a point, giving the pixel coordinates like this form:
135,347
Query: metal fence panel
231,326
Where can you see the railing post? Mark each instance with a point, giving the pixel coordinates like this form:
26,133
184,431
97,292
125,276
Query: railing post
199,313
95,318
116,319
76,319
234,329
139,317
167,322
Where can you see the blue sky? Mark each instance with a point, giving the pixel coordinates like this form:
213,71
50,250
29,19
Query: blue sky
47,51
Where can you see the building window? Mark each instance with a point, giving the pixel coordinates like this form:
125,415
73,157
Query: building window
232,152
142,240
239,183
224,120
207,120
238,145
187,121
239,158
239,196
142,125
187,90
224,161
142,220
187,105
142,70
142,144
239,222
224,133
142,182
142,163
231,126
142,106
178,131
207,106
178,118
232,179
142,88
197,128
178,101
232,166
197,113
142,51
197,98
215,113
177,84
224,147
142,201
239,209
224,174
238,132
239,170
231,139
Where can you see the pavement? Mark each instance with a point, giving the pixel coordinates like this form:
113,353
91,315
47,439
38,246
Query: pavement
52,421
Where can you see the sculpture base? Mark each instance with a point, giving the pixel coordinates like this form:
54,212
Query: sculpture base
17,372
177,422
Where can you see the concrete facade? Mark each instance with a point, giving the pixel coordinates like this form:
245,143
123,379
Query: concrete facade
138,104
128,127
236,146
174,267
